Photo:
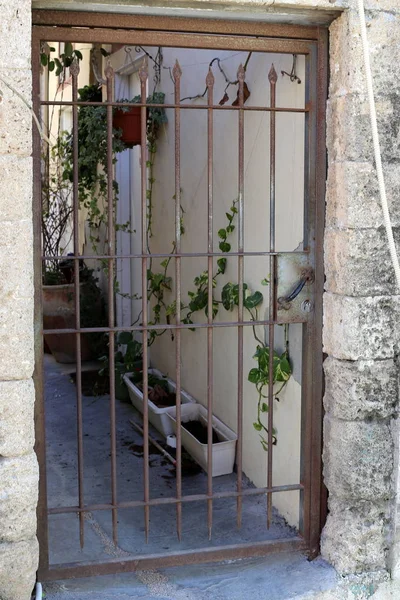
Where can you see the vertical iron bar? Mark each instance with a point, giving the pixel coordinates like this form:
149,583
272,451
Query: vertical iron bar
177,73
307,342
317,495
272,76
109,73
143,76
38,376
241,77
210,143
74,70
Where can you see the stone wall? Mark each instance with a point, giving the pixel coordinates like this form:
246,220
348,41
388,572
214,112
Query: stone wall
361,306
18,464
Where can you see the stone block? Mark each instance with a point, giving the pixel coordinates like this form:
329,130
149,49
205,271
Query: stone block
16,339
16,266
358,263
346,54
360,328
354,539
18,565
15,34
349,136
358,458
17,399
356,390
15,116
19,478
15,188
352,195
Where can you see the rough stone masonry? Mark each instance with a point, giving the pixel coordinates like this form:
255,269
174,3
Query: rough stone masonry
360,315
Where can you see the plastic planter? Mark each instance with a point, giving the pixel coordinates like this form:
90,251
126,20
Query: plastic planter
158,417
223,453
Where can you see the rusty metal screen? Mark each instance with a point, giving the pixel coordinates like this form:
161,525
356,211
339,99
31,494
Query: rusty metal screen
297,300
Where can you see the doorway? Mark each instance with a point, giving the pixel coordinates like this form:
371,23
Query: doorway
186,426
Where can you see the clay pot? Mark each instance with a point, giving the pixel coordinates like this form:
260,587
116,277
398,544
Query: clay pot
59,313
130,123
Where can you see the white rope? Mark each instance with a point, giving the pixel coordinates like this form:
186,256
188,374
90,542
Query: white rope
377,150
21,97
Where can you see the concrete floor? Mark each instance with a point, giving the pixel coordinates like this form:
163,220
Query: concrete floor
63,486
200,582
276,577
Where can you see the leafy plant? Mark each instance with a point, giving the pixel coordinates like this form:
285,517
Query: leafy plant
128,358
63,61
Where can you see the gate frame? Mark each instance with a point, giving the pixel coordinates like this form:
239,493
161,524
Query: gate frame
185,32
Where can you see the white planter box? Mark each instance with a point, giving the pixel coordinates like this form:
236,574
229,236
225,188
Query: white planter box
158,417
223,453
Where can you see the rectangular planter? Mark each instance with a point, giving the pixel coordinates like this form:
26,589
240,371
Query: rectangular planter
223,453
158,417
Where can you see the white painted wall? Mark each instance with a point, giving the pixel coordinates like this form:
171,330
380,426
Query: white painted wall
289,234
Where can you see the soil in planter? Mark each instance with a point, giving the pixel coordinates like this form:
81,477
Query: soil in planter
159,397
199,431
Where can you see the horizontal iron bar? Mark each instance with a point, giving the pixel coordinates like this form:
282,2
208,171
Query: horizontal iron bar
161,327
173,40
169,23
169,255
183,106
160,501
172,559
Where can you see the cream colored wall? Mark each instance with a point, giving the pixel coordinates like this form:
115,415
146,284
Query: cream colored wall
289,234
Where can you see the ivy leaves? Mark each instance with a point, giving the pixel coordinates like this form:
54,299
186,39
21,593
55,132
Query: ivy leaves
259,376
281,370
64,61
223,233
230,297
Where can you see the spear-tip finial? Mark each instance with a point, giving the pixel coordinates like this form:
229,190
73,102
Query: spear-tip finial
210,78
177,71
272,75
241,73
143,72
74,68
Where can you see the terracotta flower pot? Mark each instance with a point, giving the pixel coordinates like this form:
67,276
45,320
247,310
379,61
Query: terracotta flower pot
129,122
59,313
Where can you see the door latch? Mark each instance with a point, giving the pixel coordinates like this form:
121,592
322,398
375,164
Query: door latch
307,276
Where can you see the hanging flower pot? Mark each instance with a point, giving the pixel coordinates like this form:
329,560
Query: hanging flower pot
129,121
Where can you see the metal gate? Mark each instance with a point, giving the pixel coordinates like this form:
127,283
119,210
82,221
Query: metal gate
295,280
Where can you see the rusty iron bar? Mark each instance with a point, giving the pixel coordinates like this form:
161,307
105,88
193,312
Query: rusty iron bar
241,77
182,255
173,500
74,70
187,557
173,40
109,73
143,76
151,22
176,74
38,374
272,77
164,326
182,106
210,386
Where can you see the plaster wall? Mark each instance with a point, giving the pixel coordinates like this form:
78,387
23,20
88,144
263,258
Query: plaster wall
361,304
289,236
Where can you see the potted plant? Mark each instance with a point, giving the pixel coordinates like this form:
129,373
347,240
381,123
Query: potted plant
127,359
127,120
161,398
